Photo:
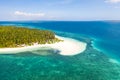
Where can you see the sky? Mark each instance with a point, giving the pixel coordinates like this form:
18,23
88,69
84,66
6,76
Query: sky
72,10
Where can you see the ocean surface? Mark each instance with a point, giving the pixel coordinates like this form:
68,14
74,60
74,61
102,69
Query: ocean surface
101,60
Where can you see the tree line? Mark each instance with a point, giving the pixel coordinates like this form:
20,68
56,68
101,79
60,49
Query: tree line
12,36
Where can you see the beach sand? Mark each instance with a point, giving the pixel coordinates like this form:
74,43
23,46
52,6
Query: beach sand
68,47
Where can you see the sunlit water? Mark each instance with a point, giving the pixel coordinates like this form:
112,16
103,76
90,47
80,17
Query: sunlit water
92,64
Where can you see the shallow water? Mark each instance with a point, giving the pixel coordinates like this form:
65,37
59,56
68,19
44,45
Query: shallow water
89,65
106,33
85,66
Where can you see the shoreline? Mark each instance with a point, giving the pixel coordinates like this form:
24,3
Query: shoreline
68,47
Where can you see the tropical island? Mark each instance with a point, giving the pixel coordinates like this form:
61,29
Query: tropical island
20,39
11,36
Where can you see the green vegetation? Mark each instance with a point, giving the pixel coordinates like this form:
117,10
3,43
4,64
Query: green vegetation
11,36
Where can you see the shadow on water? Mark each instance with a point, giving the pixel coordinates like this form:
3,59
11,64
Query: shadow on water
50,65
89,65
40,52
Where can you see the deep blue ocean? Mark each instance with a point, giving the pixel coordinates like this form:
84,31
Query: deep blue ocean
105,36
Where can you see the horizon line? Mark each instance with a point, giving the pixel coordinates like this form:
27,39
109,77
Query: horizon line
52,20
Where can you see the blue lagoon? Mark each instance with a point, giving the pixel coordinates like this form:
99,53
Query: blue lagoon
100,60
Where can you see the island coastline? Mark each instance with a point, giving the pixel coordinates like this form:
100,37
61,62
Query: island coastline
66,47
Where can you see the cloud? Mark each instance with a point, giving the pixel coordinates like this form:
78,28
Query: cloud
25,14
112,1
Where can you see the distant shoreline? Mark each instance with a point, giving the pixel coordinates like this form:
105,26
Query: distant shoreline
68,47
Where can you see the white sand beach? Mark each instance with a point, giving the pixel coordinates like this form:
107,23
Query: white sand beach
68,47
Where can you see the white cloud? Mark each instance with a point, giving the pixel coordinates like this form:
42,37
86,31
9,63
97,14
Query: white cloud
112,1
20,13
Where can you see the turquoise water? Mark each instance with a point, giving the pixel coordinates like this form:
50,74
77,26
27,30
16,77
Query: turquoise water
106,33
89,65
